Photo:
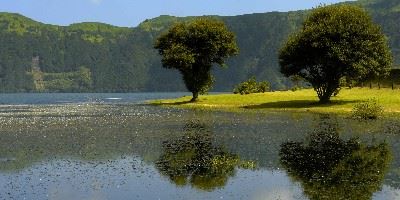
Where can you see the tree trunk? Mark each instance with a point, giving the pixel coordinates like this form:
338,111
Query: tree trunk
195,96
326,98
325,94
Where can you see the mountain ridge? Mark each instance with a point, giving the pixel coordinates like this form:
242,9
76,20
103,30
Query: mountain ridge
122,59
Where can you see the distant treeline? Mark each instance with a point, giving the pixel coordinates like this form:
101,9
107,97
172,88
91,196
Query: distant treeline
391,81
123,59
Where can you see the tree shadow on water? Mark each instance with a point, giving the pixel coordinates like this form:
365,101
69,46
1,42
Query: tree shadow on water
298,104
329,167
195,159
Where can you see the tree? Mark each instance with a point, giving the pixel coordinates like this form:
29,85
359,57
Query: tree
193,47
336,41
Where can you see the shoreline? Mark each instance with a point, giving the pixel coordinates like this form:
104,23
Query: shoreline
303,101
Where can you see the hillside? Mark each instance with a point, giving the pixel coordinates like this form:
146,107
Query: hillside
123,59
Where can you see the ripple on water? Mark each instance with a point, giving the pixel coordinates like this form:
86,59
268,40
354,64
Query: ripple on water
111,151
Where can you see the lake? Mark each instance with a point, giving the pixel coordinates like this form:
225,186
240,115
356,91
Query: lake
113,146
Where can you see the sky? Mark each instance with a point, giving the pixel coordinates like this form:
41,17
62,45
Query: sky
130,13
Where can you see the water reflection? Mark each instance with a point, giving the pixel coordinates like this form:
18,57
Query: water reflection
196,160
329,167
109,152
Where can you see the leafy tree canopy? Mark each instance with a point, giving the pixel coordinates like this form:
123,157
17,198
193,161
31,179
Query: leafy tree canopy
193,47
124,60
336,41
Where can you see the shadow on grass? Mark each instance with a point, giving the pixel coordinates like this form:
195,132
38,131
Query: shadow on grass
298,104
172,103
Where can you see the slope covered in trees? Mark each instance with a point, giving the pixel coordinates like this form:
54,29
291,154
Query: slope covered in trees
123,59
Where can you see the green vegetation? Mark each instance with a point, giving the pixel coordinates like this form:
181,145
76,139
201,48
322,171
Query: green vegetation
195,159
298,101
193,48
367,110
104,49
123,59
76,81
251,86
336,42
329,167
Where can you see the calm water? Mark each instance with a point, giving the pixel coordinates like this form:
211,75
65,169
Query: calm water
111,146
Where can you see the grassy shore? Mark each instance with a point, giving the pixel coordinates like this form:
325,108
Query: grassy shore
298,101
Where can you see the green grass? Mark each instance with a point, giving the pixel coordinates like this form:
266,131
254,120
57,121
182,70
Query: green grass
298,101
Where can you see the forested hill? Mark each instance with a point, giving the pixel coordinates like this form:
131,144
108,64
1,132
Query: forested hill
103,58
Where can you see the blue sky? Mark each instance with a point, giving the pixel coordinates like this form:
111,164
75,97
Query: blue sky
131,12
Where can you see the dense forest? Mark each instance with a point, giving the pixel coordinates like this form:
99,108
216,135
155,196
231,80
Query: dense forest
96,57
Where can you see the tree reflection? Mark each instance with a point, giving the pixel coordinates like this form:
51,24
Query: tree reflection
331,168
195,159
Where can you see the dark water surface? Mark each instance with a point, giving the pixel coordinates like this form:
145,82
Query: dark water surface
111,146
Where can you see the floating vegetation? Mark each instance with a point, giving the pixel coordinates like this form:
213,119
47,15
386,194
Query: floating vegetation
150,152
31,134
